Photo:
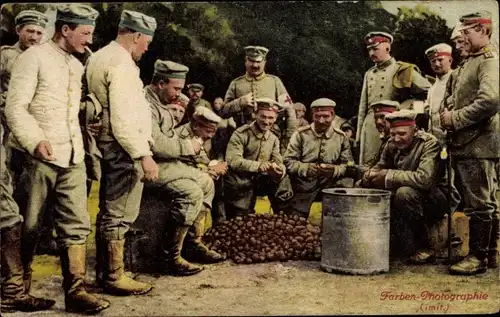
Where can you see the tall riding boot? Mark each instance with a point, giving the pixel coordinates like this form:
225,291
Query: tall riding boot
172,245
493,248
14,295
76,297
196,251
475,262
115,280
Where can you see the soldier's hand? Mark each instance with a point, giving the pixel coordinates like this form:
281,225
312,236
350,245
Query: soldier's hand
365,181
195,142
326,170
44,151
247,100
312,170
446,120
377,178
264,167
276,171
150,169
94,128
220,168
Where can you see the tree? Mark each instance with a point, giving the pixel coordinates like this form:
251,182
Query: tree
9,12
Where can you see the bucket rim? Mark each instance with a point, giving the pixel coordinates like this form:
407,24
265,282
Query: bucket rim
355,192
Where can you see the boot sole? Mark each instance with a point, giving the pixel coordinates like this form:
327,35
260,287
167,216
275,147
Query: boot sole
10,309
126,293
185,273
468,273
88,312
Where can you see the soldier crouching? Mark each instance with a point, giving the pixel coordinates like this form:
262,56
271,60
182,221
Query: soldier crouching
409,166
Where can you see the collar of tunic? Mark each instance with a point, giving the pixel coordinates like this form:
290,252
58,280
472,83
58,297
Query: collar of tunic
259,134
483,50
386,63
328,134
251,78
151,96
58,49
17,47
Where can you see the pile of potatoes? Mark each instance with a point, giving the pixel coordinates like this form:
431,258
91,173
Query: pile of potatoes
265,238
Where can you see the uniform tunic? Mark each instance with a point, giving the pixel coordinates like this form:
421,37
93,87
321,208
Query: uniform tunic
433,102
308,147
8,55
390,80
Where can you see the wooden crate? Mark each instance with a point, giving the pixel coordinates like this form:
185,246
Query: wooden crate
459,228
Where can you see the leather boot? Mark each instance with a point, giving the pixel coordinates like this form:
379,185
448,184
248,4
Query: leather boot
475,262
14,295
175,264
100,260
76,297
493,248
196,251
115,280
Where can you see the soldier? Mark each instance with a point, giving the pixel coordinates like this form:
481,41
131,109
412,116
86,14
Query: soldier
387,80
256,166
242,92
409,166
440,58
300,112
195,93
190,190
460,43
42,111
224,130
203,125
178,108
471,115
124,142
316,157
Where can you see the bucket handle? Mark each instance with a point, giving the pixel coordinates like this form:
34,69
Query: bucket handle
373,199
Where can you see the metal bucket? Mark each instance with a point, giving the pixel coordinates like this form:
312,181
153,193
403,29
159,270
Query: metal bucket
355,230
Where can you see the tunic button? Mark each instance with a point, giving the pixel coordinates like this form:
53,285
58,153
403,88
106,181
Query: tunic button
374,70
381,95
73,135
382,87
70,90
71,73
383,78
70,105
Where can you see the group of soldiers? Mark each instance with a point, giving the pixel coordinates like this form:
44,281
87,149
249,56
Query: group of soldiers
62,132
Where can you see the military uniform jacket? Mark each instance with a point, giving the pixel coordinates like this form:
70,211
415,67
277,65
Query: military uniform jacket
43,102
433,103
417,167
202,102
8,55
264,85
308,147
248,147
202,159
302,123
475,104
113,77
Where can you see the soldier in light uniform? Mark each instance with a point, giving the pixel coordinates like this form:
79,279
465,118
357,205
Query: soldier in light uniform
125,143
316,157
409,166
255,163
472,118
242,92
440,58
300,112
190,190
42,111
203,124
387,80
460,43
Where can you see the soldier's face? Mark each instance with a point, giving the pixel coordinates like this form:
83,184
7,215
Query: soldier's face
171,91
177,111
462,46
475,36
403,136
383,126
379,53
205,132
142,42
441,65
29,35
299,113
218,103
265,119
78,38
254,68
195,95
322,117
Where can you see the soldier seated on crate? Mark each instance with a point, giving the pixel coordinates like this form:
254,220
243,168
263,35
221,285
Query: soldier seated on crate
255,164
203,125
316,157
410,167
191,190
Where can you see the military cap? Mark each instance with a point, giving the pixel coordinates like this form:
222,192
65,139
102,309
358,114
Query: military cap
346,126
31,17
256,53
299,105
206,117
138,22
441,49
77,13
456,32
268,104
169,69
402,118
323,102
386,106
196,87
473,19
373,39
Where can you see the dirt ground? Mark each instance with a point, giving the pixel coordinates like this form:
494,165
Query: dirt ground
284,288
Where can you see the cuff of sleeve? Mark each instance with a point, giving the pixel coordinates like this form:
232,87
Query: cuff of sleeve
455,120
254,167
303,167
31,146
389,179
339,171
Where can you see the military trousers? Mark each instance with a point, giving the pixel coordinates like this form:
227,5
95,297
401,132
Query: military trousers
9,211
413,211
120,191
43,184
370,142
477,182
188,188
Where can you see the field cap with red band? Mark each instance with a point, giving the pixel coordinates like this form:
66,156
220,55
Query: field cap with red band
373,39
268,104
402,118
471,20
385,106
441,49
